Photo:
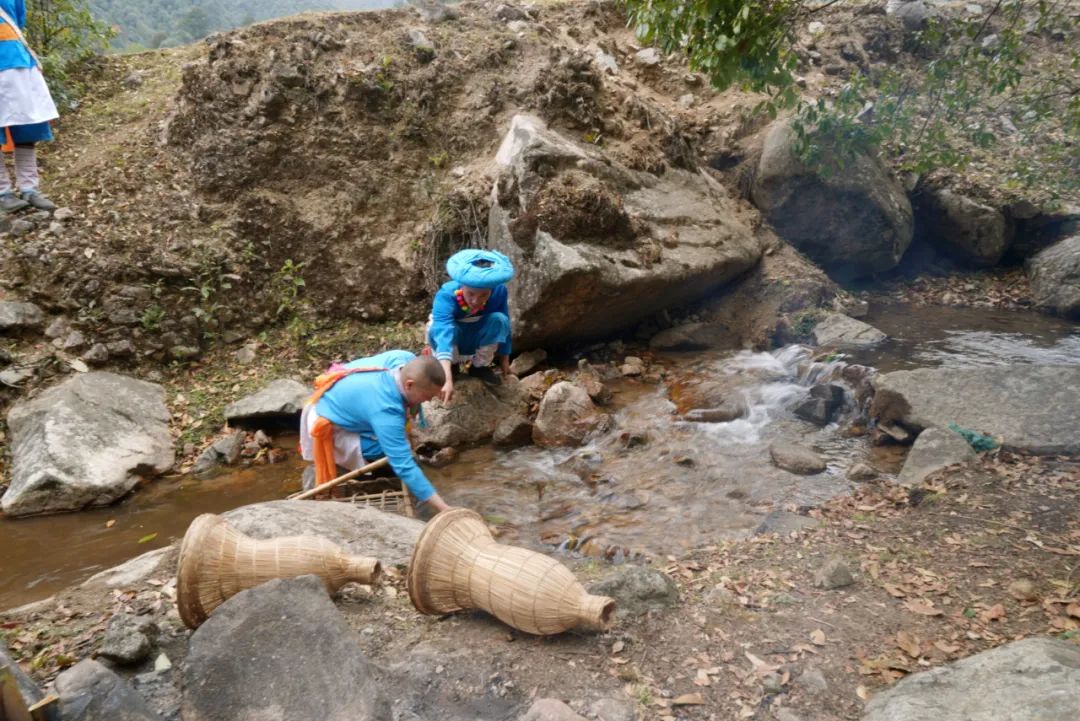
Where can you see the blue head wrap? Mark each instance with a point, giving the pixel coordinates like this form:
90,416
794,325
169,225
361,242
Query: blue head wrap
478,268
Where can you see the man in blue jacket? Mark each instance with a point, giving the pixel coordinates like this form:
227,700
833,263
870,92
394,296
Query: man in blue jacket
26,107
470,318
359,413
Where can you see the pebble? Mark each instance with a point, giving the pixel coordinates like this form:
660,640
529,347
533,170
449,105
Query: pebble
834,574
1023,590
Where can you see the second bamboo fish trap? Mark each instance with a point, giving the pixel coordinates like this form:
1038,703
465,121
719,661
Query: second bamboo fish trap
457,565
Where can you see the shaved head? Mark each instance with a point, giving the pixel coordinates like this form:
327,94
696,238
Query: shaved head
424,370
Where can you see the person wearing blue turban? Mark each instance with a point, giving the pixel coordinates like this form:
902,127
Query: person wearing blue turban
470,318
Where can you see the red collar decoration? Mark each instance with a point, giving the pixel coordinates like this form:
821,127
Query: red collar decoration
459,296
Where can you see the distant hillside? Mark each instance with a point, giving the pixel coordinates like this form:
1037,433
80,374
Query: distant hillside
163,23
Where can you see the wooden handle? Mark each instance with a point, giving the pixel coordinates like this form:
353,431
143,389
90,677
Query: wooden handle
340,479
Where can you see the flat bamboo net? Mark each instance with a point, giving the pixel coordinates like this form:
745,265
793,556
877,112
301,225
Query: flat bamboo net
457,564
217,562
368,493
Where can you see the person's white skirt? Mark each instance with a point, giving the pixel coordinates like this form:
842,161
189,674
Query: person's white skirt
25,98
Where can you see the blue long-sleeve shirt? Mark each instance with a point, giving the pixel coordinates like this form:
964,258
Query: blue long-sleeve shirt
373,406
13,53
445,312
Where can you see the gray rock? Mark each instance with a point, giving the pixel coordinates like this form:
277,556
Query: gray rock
90,692
588,379
853,223
648,57
16,375
31,694
1055,277
784,523
551,709
246,355
606,62
225,451
613,709
837,329
813,679
434,12
63,214
131,572
86,442
472,416
281,400
160,691
184,352
697,237
121,348
834,574
567,417
129,639
20,316
513,431
510,12
280,651
527,362
420,44
861,472
1031,408
934,449
692,336
74,341
824,401
914,14
637,590
20,228
786,714
795,458
360,531
973,233
97,355
1037,679
6,357
57,327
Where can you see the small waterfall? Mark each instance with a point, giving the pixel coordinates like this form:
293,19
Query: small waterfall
786,376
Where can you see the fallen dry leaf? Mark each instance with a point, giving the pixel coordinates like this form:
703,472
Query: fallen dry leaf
945,647
818,637
894,591
863,693
1073,609
994,613
921,607
689,699
909,644
763,668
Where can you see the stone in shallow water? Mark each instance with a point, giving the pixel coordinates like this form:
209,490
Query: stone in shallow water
796,459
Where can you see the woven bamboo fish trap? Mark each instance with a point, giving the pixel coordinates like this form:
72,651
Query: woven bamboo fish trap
457,565
217,562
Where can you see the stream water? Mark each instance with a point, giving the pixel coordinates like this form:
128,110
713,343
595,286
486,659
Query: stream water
655,485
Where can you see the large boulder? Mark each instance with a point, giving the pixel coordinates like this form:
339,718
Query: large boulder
973,233
599,246
359,530
1055,277
86,442
89,691
472,416
1037,679
1031,408
280,651
854,222
567,417
934,449
278,402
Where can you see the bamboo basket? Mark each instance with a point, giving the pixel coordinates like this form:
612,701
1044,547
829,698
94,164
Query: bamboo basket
457,565
217,562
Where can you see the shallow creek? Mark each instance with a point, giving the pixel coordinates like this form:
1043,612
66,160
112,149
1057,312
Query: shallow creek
654,485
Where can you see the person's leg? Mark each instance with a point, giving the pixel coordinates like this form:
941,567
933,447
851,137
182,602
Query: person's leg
27,176
8,202
493,330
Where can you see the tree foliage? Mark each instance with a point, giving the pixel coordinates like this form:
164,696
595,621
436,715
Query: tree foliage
978,87
66,37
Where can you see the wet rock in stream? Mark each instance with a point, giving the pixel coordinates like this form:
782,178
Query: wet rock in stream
795,458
